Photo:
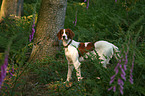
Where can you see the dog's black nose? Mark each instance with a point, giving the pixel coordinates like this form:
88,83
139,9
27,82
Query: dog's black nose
63,37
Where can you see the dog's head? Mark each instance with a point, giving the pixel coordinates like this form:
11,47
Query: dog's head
65,34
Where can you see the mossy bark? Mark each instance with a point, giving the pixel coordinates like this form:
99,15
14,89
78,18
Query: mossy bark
50,20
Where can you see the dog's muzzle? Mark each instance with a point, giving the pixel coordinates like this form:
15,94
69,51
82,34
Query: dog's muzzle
63,37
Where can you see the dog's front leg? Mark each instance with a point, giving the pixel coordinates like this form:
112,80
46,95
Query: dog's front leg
70,69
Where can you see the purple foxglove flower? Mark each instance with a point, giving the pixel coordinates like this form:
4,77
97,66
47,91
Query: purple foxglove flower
113,77
116,68
88,4
125,67
121,87
30,38
131,80
121,91
75,22
123,72
123,77
110,88
112,80
32,32
120,82
131,71
114,89
3,70
116,71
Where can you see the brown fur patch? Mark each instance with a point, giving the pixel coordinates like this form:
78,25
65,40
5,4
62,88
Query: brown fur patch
59,34
69,33
82,49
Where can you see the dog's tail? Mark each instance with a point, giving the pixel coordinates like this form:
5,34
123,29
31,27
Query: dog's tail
116,53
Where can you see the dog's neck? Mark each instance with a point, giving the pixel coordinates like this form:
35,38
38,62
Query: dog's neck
66,43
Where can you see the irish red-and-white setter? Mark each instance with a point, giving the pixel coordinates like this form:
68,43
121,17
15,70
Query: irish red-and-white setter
75,51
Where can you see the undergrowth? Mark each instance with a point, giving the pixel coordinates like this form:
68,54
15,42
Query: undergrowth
121,23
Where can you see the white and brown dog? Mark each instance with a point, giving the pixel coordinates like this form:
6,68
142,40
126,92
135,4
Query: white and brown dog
74,51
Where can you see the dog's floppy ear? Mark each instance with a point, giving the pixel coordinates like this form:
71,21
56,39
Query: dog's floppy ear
71,33
59,34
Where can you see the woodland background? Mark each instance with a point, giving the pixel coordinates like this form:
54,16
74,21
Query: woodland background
121,22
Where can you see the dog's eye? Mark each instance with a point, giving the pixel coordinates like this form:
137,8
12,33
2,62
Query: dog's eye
66,32
61,33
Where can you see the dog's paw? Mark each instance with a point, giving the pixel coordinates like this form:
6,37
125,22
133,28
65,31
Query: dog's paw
80,78
66,82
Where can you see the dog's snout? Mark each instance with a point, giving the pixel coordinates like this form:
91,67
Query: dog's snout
63,37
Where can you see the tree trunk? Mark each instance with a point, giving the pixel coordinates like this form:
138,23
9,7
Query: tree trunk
19,12
8,8
50,21
11,8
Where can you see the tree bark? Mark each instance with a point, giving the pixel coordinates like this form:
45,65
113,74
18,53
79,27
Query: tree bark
11,8
50,20
19,11
8,8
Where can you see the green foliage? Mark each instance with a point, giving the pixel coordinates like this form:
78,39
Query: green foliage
121,23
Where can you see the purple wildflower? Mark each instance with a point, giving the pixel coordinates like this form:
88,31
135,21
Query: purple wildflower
88,4
121,83
113,77
126,60
3,69
116,68
115,0
123,72
125,67
110,88
131,71
33,31
75,22
112,80
114,88
123,77
121,91
131,80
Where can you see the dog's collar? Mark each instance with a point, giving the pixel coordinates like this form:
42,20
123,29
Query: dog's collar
68,44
